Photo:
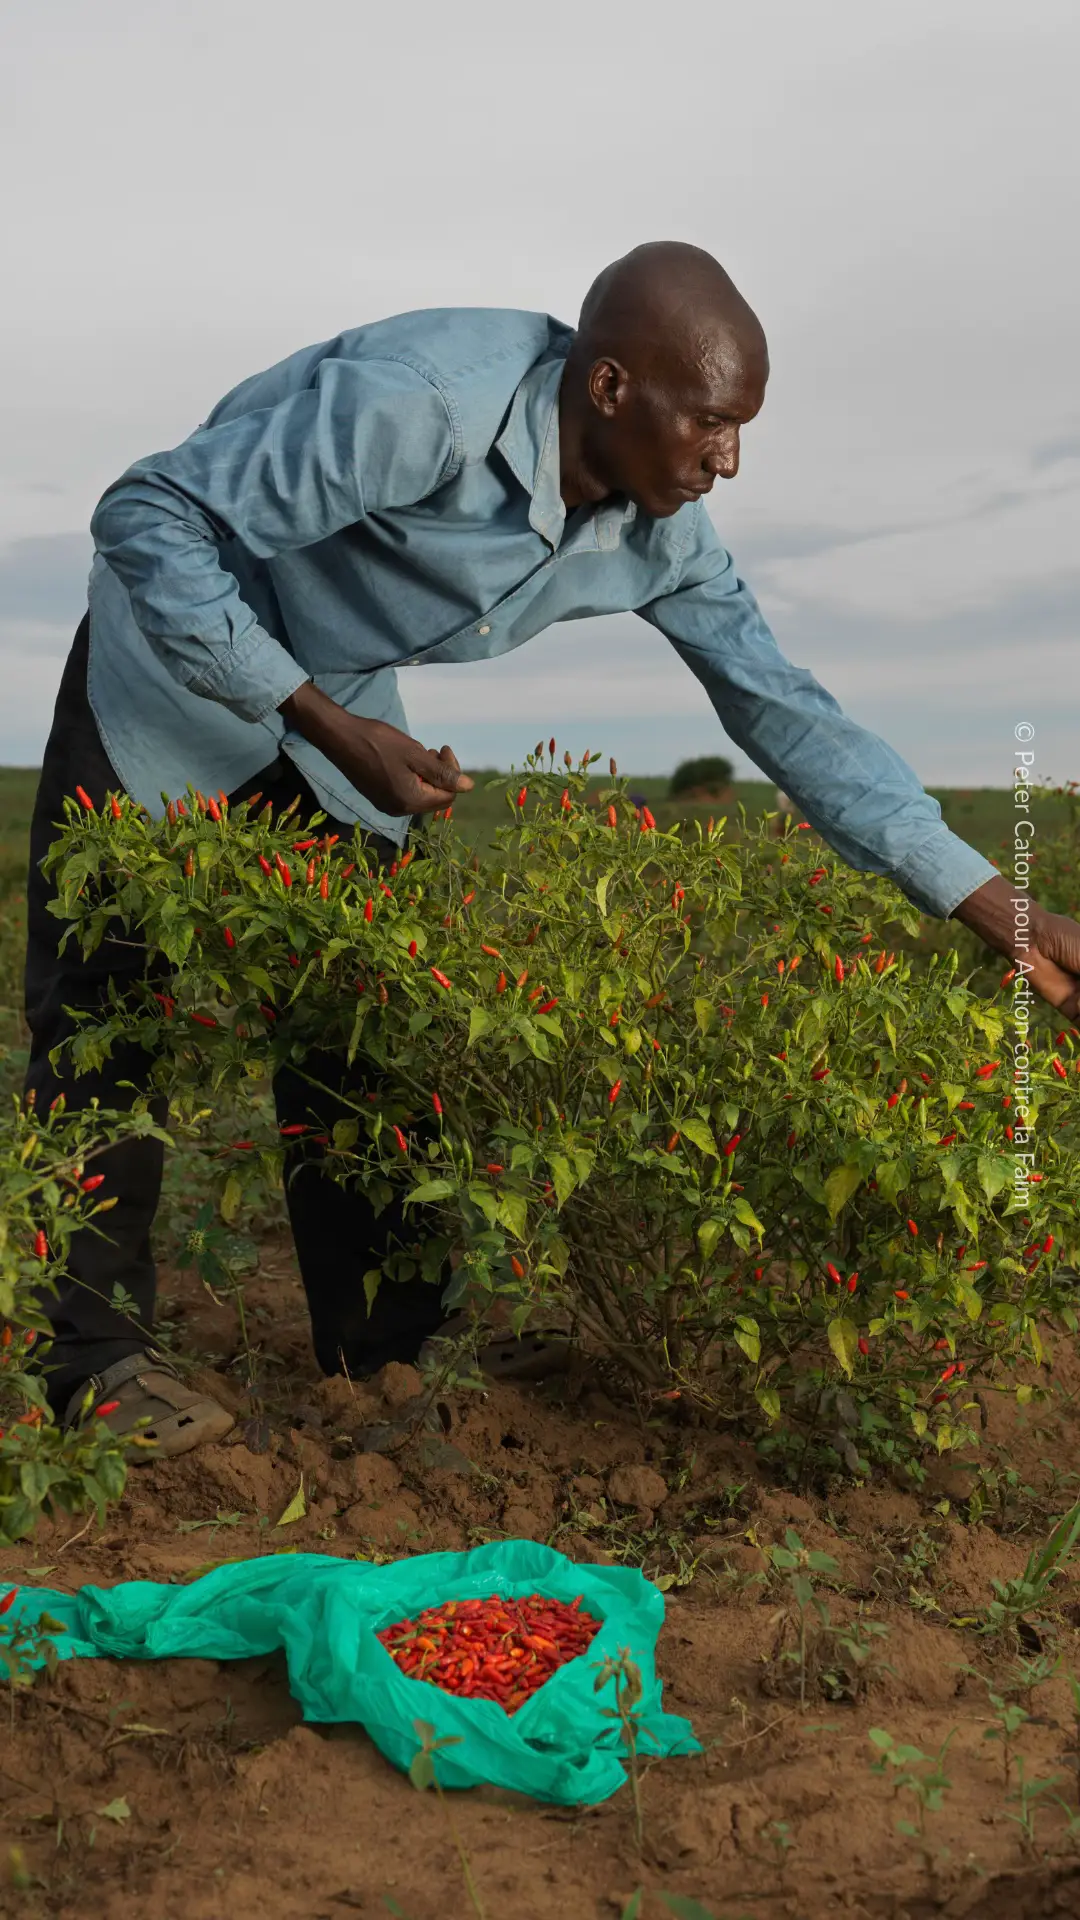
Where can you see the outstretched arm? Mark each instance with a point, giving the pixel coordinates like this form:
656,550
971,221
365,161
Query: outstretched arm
862,798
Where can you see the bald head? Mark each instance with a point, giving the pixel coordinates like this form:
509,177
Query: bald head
669,298
668,363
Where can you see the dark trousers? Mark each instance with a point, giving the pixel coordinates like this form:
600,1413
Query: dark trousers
337,1235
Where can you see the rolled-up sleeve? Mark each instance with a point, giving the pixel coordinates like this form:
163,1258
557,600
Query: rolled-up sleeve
862,798
366,435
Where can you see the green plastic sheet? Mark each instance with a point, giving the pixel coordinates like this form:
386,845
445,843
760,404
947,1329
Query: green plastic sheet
324,1613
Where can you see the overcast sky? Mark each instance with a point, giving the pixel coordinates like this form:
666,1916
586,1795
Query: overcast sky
196,187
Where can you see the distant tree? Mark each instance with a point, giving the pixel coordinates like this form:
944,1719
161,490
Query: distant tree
712,771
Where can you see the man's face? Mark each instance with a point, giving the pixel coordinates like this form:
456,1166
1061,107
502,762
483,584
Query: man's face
664,436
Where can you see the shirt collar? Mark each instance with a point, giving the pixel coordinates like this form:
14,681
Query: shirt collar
529,443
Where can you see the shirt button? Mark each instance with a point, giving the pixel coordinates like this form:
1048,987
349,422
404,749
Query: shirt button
483,629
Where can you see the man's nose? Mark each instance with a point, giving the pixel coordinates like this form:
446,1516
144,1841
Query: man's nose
723,456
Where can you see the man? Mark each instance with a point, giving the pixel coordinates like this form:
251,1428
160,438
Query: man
440,486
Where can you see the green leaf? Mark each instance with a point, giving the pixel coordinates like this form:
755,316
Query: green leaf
480,1022
513,1211
744,1211
602,886
346,1134
704,1014
117,1810
633,1906
844,1341
994,1171
563,1177
769,1401
839,1187
429,1190
699,1135
231,1198
684,1908
422,1771
708,1234
750,1344
890,1030
296,1508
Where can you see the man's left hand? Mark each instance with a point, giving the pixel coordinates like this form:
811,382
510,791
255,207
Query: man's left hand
1048,944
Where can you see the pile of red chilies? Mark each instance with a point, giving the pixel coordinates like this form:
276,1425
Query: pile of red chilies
495,1649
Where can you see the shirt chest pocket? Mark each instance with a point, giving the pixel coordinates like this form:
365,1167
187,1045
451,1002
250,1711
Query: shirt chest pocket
573,587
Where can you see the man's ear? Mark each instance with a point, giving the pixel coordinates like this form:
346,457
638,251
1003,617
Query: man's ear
608,385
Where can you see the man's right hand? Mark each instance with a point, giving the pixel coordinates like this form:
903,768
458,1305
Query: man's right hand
387,766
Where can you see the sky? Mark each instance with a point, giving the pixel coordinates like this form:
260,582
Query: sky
198,187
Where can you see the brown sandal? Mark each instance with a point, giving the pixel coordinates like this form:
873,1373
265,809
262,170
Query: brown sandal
144,1388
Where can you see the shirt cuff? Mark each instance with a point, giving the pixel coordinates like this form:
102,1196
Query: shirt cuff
942,873
255,679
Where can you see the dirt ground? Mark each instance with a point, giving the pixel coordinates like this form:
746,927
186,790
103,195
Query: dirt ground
235,1808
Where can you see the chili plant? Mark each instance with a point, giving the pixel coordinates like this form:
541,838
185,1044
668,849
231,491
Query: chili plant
679,1086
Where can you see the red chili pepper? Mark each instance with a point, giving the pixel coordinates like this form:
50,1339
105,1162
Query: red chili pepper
400,1138
468,898
1058,1068
230,937
983,1073
213,809
911,1227
864,1346
522,796
412,949
296,1126
303,846
204,1019
441,980
369,910
946,1140
899,1293
791,1139
189,865
565,801
437,1104
833,1274
549,1006
115,808
647,821
612,817
168,1004
265,865
672,1143
9,1600
614,1094
892,1099
108,1406
731,1145
324,887
852,1282
41,1245
492,952
383,888
764,999
310,873
84,800
821,1073
92,1182
495,1166
535,994
286,876
181,809
838,970
516,1267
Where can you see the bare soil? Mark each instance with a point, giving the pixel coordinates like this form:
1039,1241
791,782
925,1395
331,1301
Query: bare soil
238,1809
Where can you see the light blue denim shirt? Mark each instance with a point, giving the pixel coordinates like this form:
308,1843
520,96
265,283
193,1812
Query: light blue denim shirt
390,499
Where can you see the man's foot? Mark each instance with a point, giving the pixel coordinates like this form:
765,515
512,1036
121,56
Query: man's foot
143,1387
535,1356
